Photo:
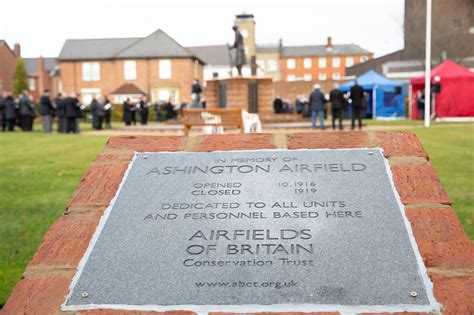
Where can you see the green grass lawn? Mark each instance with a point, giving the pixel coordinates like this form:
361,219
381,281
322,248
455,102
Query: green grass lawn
38,174
451,151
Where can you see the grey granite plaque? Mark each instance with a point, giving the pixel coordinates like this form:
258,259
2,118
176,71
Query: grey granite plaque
274,230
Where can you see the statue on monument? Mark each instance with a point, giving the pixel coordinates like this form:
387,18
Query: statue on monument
239,57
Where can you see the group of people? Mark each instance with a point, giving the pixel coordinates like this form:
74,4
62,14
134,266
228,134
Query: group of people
101,110
356,99
316,105
21,112
164,111
131,109
18,112
282,106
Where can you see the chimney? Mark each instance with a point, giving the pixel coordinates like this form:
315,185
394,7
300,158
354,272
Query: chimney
40,64
41,75
329,43
17,49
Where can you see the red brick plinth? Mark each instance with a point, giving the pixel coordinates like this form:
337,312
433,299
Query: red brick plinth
447,252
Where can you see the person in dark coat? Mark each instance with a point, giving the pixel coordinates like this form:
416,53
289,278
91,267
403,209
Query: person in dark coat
336,97
299,104
420,104
47,111
158,109
72,109
79,114
10,108
196,89
94,106
3,120
357,104
143,110
61,113
127,112
27,112
169,109
278,105
317,102
108,113
134,110
100,113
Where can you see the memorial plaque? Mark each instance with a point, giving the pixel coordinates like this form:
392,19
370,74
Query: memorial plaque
299,230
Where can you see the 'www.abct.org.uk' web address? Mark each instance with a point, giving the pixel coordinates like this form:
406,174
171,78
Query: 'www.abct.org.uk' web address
248,284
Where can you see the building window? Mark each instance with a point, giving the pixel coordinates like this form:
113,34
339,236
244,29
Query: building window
336,62
90,71
271,65
31,84
130,70
336,76
307,63
245,33
290,77
291,63
308,77
322,76
165,69
364,58
349,61
322,62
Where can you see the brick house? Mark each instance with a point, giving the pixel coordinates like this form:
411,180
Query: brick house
7,65
320,62
38,70
126,67
40,76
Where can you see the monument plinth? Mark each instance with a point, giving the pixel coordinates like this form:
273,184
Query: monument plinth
343,222
253,94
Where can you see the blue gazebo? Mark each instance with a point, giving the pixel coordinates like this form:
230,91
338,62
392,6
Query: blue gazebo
386,97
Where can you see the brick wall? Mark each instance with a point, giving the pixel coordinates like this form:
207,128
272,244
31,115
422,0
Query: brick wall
445,249
290,90
449,34
112,76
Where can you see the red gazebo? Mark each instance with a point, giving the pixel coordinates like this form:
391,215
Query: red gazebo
456,95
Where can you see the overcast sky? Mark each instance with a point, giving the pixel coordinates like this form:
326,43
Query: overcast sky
41,26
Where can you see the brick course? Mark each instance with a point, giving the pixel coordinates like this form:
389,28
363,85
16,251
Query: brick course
330,140
418,183
445,249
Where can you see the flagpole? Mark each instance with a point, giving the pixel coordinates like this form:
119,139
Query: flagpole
428,64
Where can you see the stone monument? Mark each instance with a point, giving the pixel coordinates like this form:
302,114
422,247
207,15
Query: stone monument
340,222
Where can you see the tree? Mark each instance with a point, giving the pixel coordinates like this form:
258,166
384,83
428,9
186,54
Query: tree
19,77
